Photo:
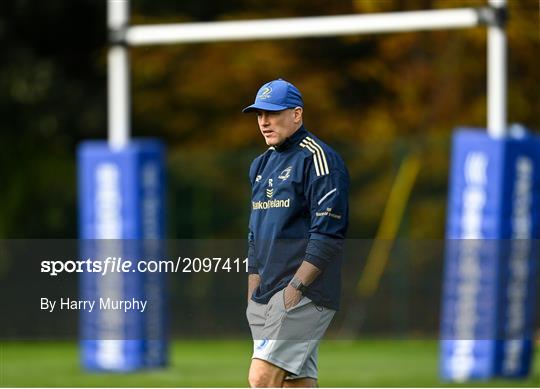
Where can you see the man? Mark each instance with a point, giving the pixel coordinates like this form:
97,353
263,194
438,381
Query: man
299,215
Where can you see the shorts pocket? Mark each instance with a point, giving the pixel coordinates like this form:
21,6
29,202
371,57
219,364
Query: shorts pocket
303,301
248,309
282,298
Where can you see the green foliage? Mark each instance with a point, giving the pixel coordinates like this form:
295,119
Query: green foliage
375,98
52,86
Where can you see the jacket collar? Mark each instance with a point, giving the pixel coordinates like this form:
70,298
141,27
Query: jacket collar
292,140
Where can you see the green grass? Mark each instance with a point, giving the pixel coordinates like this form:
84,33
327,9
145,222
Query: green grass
225,363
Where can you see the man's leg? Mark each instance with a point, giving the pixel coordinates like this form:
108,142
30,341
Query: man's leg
301,383
289,342
263,374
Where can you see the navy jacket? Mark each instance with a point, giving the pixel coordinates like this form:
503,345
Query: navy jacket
299,211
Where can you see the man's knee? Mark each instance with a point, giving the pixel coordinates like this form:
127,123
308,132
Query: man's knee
263,374
259,379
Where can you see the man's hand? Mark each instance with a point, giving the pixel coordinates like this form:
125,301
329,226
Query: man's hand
306,274
253,282
291,297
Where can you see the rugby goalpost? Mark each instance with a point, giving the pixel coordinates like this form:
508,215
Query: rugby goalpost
493,16
122,35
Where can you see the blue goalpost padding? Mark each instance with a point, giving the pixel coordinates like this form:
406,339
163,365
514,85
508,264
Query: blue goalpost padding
491,258
121,218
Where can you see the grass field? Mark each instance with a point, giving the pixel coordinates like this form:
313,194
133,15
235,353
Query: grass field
224,364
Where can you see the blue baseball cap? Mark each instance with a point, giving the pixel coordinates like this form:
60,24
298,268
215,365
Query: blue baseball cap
276,95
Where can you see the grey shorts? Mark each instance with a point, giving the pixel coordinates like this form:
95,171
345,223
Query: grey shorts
288,338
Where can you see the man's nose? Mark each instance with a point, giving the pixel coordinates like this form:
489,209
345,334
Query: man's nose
264,119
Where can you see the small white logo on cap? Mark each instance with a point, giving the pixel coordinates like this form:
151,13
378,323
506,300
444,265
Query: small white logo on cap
265,94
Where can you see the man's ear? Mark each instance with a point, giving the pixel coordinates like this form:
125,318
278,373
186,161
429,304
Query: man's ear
298,114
